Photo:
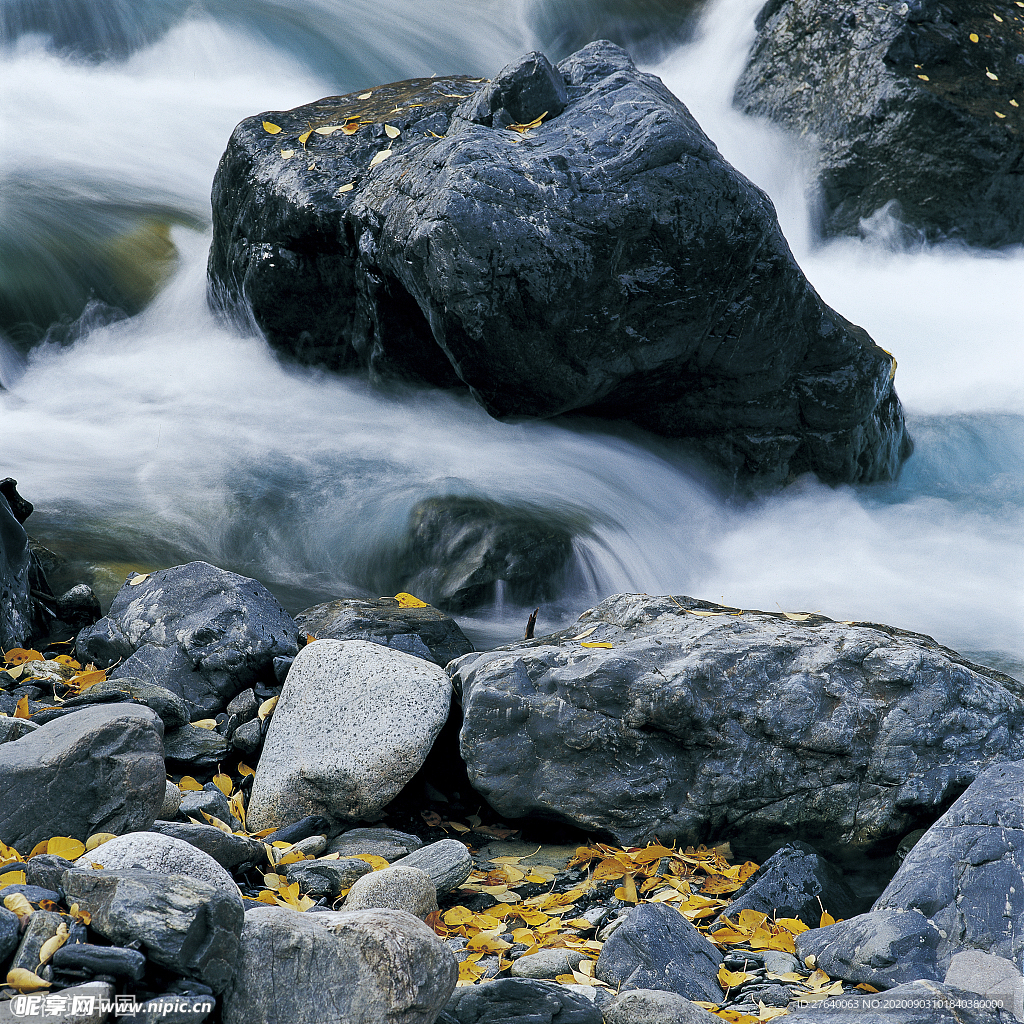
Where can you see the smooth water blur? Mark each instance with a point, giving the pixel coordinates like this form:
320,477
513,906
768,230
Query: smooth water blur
166,437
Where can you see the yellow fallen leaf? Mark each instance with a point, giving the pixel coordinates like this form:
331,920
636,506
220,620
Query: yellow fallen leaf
732,979
596,643
52,944
865,987
787,976
287,154
799,616
67,661
271,128
346,188
973,37
267,707
351,129
217,823
21,709
407,600
826,919
924,78
703,613
391,131
304,137
375,862
66,847
524,128
329,129
223,783
206,723
188,784
16,672
272,880
988,74
83,680
627,891
13,878
999,114
365,95
81,916
142,577
996,16
19,656
770,1012
17,904
98,839
380,157
23,980
1014,103
237,806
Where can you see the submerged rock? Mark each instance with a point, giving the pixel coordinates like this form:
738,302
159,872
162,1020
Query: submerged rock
386,621
700,721
916,104
604,260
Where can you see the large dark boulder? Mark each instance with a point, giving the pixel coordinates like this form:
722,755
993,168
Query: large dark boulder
201,632
915,103
606,260
15,563
100,769
692,721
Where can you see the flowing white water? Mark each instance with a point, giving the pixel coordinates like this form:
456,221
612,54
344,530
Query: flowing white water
167,437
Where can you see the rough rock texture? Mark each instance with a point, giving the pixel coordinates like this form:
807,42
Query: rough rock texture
394,888
100,769
186,925
993,977
152,851
883,949
228,851
171,708
328,877
15,600
907,103
365,967
796,881
448,862
201,632
459,548
608,261
388,843
386,621
519,1001
650,1006
353,725
967,872
656,947
703,722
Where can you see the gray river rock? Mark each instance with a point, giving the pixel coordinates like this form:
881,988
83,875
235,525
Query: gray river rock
681,719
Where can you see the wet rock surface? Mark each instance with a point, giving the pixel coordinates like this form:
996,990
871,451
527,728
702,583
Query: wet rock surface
448,261
907,103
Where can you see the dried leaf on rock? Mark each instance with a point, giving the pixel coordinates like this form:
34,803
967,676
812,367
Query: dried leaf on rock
17,904
12,878
223,783
19,656
52,944
21,709
380,157
66,847
187,784
267,707
24,980
391,131
271,128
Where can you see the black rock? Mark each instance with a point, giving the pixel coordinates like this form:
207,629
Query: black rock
40,927
171,708
311,825
450,263
228,851
78,607
244,705
15,598
46,870
10,932
796,881
186,925
20,508
326,877
519,1001
459,548
33,893
92,959
100,769
196,747
385,620
656,947
201,632
903,102
248,736
704,720
211,800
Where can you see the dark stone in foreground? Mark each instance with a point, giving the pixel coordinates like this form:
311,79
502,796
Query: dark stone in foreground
186,925
171,708
656,947
15,599
201,632
100,769
386,621
904,107
607,261
228,851
796,881
707,722
519,1001
116,960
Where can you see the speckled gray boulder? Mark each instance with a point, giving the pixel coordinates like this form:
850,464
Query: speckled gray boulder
353,725
151,851
394,888
548,963
652,1006
363,967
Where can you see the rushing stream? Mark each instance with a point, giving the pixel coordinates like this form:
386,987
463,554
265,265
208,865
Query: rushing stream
165,437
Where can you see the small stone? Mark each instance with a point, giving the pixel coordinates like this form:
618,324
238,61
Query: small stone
245,705
172,802
311,846
388,843
211,800
310,825
447,861
652,1006
394,888
548,963
326,877
116,960
10,931
46,870
202,748
521,1001
248,736
42,925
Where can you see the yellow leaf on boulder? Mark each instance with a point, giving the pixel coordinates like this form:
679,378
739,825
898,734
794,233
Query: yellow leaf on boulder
189,785
205,723
19,655
13,878
271,128
595,643
39,848
142,577
380,157
17,904
408,601
23,980
267,707
391,131
66,847
732,979
375,862
21,709
52,944
223,783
